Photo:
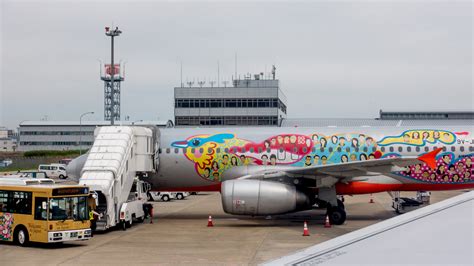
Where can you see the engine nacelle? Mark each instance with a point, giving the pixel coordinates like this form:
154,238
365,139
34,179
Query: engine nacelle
257,197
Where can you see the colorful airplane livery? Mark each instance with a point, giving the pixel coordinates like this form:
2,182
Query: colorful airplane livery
265,171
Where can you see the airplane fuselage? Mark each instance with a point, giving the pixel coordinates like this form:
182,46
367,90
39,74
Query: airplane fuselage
199,159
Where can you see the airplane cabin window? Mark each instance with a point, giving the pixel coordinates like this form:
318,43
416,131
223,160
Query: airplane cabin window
243,149
471,148
201,150
159,150
461,148
218,150
427,149
313,149
444,148
193,150
434,147
348,149
339,149
167,150
391,149
251,150
400,149
322,149
295,150
269,150
209,150
305,150
330,149
357,149
408,149
226,150
453,148
365,149
382,149
417,149
176,150
259,149
374,149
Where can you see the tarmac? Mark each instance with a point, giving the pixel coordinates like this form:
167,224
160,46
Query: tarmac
179,235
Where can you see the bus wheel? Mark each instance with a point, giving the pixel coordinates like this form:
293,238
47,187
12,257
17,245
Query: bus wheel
21,236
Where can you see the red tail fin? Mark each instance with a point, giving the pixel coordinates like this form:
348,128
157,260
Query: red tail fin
430,158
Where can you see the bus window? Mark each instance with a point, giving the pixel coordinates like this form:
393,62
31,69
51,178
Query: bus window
41,207
15,202
74,208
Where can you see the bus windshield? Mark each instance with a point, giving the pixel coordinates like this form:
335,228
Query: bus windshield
68,208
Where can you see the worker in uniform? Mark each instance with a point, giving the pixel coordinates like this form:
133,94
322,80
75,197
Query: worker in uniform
93,215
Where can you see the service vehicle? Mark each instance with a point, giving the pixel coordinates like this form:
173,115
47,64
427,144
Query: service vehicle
160,196
181,195
53,170
39,210
134,208
32,174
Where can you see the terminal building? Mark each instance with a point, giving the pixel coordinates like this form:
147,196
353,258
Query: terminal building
67,135
248,102
432,115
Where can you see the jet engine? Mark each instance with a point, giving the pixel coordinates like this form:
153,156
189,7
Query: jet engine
258,197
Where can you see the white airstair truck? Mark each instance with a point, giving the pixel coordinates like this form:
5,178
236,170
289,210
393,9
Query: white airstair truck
119,155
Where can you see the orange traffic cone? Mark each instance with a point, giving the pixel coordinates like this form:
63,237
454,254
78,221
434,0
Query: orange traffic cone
305,229
209,222
371,199
327,224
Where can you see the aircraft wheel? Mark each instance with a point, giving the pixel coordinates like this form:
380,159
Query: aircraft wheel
124,225
337,215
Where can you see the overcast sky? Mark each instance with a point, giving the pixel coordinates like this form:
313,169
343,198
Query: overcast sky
334,59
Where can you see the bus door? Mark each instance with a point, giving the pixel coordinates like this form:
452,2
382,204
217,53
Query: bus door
39,226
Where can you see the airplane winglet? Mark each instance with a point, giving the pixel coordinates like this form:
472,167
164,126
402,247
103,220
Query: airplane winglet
430,158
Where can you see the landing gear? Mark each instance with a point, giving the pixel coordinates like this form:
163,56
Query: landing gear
337,215
334,204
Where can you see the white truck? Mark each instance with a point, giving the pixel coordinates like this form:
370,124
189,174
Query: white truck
135,209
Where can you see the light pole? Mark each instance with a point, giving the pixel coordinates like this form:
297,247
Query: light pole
112,34
80,130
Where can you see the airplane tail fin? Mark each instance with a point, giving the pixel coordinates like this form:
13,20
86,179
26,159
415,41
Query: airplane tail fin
430,158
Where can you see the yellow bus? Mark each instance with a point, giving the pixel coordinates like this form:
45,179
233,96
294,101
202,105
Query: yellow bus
38,210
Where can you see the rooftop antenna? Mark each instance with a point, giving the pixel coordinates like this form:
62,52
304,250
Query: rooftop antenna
235,67
218,73
181,74
273,71
212,83
201,83
190,83
225,83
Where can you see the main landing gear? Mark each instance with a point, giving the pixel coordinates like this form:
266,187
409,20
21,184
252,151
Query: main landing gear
334,205
336,214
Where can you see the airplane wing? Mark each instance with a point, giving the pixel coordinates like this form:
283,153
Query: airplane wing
358,168
350,170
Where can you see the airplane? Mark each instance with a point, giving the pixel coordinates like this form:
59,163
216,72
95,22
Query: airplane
277,170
